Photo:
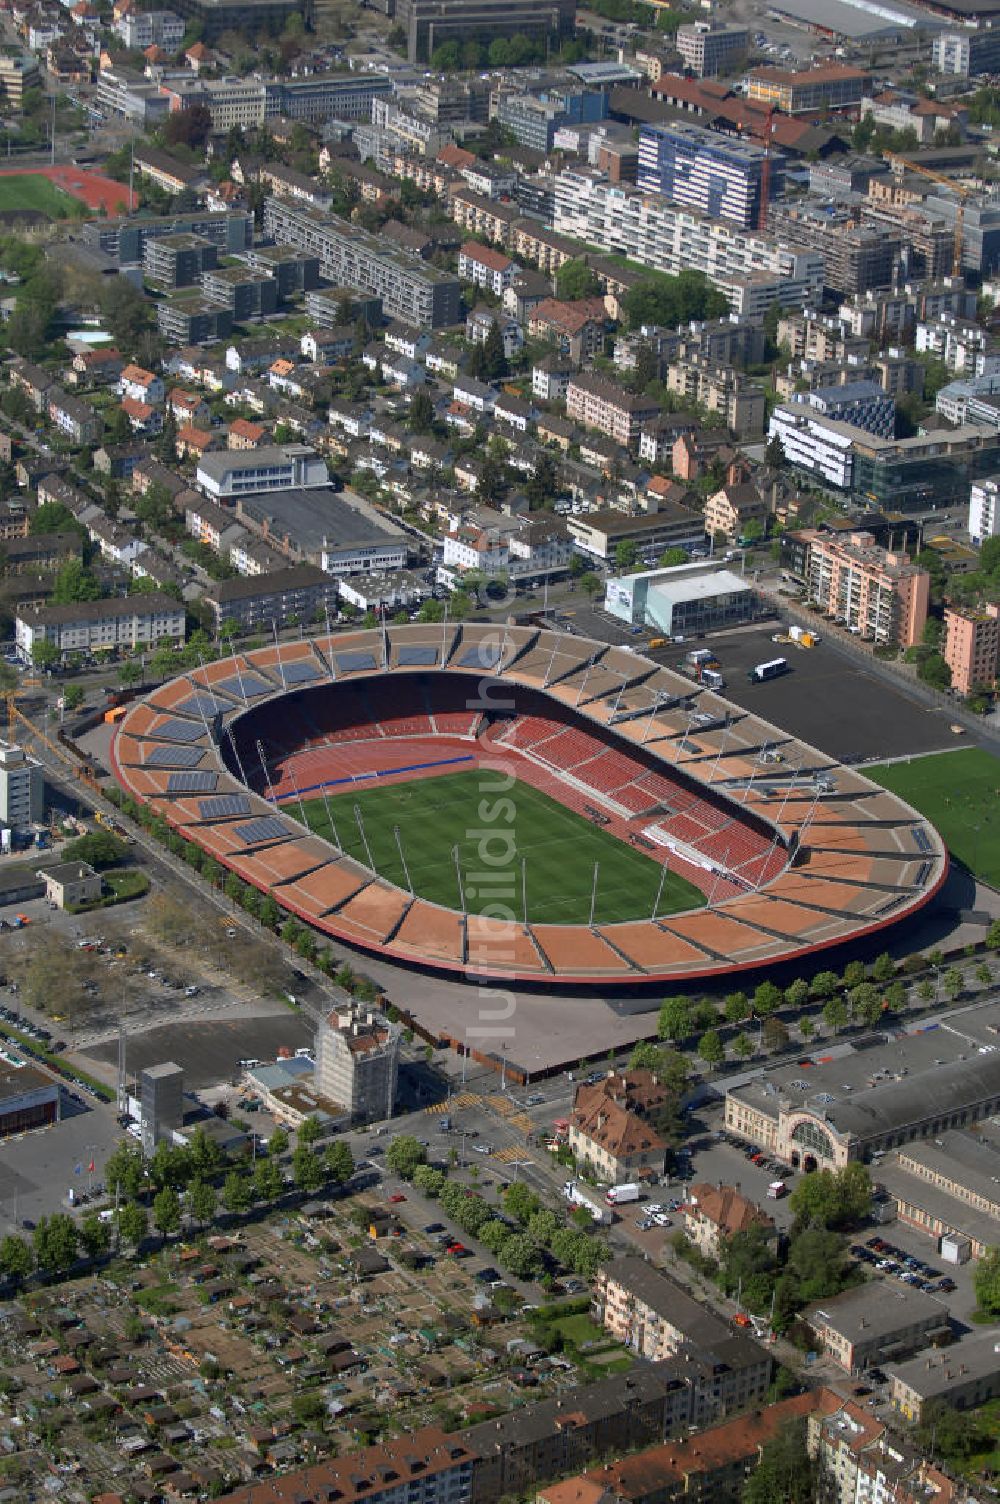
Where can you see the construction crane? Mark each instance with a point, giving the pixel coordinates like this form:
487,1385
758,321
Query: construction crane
958,189
762,132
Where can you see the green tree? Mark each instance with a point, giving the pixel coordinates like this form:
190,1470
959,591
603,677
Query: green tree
576,280
711,1048
954,983
55,1242
521,1203
309,1130
494,356
45,654
736,1007
268,1182
204,1154
307,1169
73,583
420,417
236,1192
95,1235
835,1014
278,1142
797,993
338,1161
166,1211
591,584
132,1223
824,984
786,1474
16,1258
766,999
72,697
98,847
520,1255
774,1034
626,556
404,1154
674,1020
202,1201
986,1282
883,968
124,1170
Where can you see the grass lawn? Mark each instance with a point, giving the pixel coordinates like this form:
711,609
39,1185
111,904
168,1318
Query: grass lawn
559,849
958,792
30,191
579,1330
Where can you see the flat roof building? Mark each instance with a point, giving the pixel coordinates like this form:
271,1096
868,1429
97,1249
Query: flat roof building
685,600
872,1323
964,1376
875,1097
28,1099
599,533
22,788
230,473
349,256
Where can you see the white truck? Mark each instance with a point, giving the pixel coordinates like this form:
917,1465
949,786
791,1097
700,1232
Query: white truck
579,1195
618,1195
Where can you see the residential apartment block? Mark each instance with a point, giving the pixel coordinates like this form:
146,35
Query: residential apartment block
645,1310
105,625
612,410
281,596
714,1213
718,176
880,595
984,510
971,647
429,1466
753,270
409,289
178,260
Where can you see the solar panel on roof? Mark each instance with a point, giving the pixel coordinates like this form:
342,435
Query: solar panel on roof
486,655
355,663
192,783
173,757
411,657
179,731
266,828
245,686
300,672
223,805
203,704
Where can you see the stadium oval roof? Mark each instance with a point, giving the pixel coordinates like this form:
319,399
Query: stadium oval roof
844,859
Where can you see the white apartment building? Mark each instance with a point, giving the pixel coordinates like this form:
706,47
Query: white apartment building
274,467
821,445
965,348
151,28
751,269
984,509
22,788
101,626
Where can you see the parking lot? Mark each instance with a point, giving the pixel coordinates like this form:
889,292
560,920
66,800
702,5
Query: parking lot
809,700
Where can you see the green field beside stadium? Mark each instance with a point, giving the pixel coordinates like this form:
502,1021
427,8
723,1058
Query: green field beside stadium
959,792
560,848
32,191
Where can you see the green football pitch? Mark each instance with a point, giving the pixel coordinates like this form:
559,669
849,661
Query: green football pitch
32,191
959,792
559,848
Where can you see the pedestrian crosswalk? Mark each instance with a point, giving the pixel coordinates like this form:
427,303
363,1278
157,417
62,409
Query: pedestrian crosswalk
501,1104
451,1104
511,1154
521,1120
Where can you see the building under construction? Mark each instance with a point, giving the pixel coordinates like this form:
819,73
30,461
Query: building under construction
357,1062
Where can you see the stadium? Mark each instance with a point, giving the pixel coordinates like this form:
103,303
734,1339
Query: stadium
517,803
